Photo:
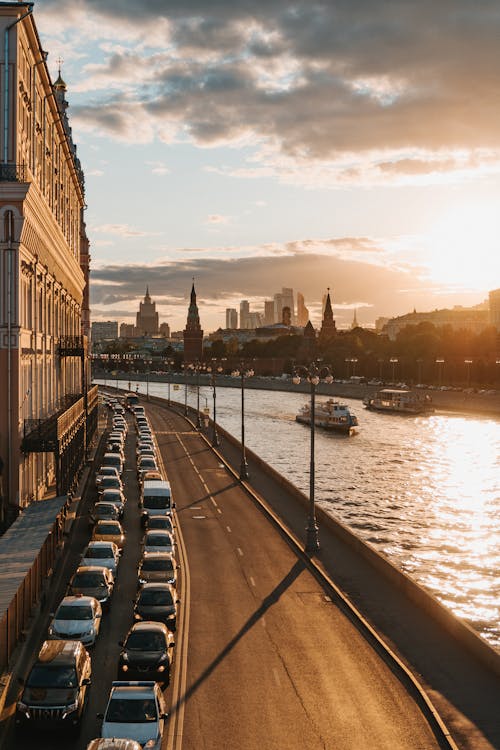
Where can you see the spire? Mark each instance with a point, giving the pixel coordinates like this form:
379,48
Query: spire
193,294
354,323
147,298
328,329
59,84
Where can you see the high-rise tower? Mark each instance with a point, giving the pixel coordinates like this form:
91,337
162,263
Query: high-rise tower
147,322
193,335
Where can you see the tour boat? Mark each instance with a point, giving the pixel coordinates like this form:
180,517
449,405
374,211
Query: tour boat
331,415
399,401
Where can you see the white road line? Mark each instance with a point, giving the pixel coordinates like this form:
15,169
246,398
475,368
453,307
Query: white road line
252,580
213,502
219,511
228,528
239,551
276,677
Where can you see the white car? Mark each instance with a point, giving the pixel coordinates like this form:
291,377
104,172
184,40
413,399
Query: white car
102,554
78,618
136,710
114,744
157,540
114,496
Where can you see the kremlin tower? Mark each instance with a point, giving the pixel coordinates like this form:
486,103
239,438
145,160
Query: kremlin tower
193,335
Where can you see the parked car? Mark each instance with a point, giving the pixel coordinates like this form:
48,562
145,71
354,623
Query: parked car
93,580
157,567
147,652
77,618
109,531
136,710
110,483
106,471
157,601
113,744
56,690
102,554
115,497
146,464
157,540
164,523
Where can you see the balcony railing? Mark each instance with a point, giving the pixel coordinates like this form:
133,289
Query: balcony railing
12,173
43,435
71,346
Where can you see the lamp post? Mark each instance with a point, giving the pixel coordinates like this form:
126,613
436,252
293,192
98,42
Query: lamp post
394,361
243,372
197,367
169,363
440,363
147,362
214,369
313,374
185,367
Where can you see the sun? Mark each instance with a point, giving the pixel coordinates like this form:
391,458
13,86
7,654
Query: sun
463,247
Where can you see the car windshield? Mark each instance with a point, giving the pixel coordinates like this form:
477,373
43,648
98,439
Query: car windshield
157,598
43,676
160,523
105,510
131,711
156,502
111,482
150,564
79,612
158,540
142,640
89,580
108,528
99,553
147,462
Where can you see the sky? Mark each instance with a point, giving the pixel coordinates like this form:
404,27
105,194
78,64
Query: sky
255,145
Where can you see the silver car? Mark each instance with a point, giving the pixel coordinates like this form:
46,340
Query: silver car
136,710
102,554
77,618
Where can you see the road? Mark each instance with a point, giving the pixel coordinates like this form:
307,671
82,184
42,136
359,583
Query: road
271,662
263,657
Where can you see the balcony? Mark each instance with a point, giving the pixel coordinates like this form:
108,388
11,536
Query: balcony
12,173
45,435
72,346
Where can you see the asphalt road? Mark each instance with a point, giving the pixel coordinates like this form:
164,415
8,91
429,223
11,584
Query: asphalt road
263,658
266,659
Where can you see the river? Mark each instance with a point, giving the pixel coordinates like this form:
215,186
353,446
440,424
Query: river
425,491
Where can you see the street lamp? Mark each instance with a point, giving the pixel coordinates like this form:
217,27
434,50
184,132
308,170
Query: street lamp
169,362
185,367
468,362
214,369
147,362
394,361
243,372
440,363
197,367
313,374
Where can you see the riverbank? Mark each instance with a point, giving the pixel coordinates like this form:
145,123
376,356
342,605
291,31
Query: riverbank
449,401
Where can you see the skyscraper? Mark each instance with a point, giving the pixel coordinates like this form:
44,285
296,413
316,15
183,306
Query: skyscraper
269,319
302,311
244,314
288,301
147,322
278,307
193,335
231,318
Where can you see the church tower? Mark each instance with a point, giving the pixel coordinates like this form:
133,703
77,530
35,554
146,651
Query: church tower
193,335
328,328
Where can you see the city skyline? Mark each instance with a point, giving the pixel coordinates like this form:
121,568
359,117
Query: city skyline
386,190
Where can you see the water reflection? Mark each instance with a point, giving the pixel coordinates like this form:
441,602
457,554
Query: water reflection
423,490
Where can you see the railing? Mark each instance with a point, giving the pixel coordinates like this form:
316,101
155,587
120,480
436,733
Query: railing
12,173
92,398
71,346
42,435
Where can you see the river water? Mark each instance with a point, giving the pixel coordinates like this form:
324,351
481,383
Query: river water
425,491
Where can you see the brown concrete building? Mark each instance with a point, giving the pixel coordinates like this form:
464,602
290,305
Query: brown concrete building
46,410
147,320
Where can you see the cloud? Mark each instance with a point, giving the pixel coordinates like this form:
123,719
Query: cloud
158,168
120,230
346,84
218,219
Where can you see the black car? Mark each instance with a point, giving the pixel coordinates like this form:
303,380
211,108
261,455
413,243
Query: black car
157,567
157,601
146,653
160,522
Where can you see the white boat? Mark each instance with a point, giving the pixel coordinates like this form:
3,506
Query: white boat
331,415
399,401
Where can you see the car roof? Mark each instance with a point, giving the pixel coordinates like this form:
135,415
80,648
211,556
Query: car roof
158,556
91,569
113,743
113,521
64,652
158,586
137,689
157,532
101,544
149,625
76,601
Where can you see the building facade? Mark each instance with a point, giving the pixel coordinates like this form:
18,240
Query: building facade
302,311
459,319
47,411
231,318
193,335
494,308
104,329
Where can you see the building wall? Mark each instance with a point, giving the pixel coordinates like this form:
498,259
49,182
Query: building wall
43,259
494,308
104,329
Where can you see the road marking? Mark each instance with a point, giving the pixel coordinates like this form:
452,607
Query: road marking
239,551
276,677
198,517
252,580
219,511
196,507
213,502
228,528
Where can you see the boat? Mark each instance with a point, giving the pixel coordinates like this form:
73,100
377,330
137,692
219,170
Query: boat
330,415
399,401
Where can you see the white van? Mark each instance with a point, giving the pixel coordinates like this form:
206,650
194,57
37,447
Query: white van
156,500
114,460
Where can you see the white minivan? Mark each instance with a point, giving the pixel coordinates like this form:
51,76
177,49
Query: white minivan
156,500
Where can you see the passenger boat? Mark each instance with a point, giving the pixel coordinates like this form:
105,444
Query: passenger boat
331,415
399,401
